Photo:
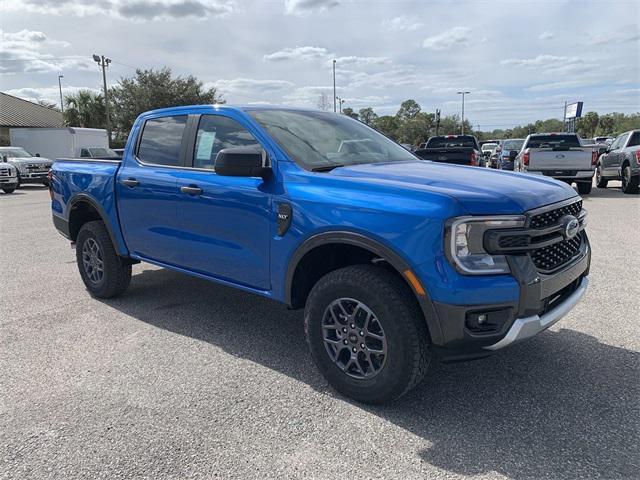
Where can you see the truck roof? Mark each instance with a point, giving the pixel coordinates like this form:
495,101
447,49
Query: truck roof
72,130
224,106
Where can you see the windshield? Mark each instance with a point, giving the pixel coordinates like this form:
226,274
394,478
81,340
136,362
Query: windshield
488,146
452,142
513,144
554,141
15,152
103,152
317,140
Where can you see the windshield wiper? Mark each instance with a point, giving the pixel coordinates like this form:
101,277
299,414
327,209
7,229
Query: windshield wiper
326,168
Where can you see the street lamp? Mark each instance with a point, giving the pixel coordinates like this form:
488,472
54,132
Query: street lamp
104,63
334,86
60,88
463,94
340,102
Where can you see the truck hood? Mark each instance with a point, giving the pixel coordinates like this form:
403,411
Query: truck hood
25,160
479,190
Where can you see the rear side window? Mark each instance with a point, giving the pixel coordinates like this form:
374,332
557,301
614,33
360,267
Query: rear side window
215,133
551,141
635,140
161,140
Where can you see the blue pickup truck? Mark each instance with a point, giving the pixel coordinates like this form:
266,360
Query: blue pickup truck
395,260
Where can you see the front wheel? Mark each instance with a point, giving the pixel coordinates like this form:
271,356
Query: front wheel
366,333
103,272
584,188
9,190
630,184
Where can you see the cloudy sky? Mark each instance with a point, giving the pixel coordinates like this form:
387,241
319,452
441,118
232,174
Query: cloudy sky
519,59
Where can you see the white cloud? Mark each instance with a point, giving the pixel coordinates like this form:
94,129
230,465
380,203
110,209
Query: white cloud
403,23
307,7
308,96
552,64
49,93
251,86
546,36
354,61
298,53
543,87
22,52
454,37
132,9
624,34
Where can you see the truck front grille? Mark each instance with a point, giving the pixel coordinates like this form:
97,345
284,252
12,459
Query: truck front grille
554,256
5,172
551,217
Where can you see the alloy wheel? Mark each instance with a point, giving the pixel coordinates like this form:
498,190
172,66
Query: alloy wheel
354,338
92,260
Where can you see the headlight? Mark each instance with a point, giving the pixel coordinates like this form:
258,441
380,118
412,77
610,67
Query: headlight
464,243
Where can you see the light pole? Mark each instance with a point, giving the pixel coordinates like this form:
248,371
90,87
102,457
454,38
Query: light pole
60,88
334,86
104,63
340,102
463,94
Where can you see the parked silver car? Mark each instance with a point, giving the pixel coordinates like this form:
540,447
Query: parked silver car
31,169
8,177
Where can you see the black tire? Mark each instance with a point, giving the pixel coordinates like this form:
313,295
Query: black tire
629,184
390,301
601,182
116,273
584,188
9,190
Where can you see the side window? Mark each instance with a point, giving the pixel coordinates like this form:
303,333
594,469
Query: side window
161,140
635,140
622,139
215,133
84,153
616,143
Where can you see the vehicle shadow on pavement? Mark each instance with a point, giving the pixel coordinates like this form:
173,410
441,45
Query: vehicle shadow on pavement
561,405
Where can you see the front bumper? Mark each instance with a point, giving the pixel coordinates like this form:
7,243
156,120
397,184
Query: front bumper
8,182
39,177
543,300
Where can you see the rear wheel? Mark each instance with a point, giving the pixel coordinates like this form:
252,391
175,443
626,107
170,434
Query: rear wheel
629,184
584,188
366,334
103,272
601,182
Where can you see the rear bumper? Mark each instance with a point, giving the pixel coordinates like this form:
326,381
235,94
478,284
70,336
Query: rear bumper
576,175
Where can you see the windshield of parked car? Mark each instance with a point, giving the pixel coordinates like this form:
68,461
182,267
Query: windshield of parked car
15,152
513,144
488,146
452,141
553,141
319,140
102,152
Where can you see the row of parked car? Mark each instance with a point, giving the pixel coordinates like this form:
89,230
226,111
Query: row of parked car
563,156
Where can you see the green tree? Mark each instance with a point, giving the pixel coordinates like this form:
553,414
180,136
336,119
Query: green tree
84,109
151,89
408,110
417,129
349,113
588,124
368,116
48,104
387,125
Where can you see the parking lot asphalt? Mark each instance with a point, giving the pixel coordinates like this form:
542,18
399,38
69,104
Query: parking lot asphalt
181,378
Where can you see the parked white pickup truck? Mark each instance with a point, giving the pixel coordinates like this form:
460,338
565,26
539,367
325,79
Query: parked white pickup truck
559,155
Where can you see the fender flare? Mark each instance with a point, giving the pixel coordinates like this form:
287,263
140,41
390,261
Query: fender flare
359,240
83,197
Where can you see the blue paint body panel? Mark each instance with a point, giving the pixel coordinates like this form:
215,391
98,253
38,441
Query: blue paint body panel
229,233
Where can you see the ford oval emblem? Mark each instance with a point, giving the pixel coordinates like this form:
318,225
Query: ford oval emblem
571,226
442,158
559,155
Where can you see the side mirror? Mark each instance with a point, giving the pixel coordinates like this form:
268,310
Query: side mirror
4,158
242,162
513,154
37,154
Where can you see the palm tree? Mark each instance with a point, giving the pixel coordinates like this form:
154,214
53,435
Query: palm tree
84,109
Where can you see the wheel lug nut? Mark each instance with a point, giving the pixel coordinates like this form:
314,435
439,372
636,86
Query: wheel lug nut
352,326
345,342
362,334
362,345
344,330
354,349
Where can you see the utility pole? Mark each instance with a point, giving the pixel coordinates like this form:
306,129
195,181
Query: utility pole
104,63
564,117
463,94
437,122
340,102
60,87
334,86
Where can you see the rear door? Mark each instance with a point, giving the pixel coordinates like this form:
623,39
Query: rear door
224,222
612,162
147,192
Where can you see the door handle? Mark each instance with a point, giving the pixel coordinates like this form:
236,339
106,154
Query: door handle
130,182
191,190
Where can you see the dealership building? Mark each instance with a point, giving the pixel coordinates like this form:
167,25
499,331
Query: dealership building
16,112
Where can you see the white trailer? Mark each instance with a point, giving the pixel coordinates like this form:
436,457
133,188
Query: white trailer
58,142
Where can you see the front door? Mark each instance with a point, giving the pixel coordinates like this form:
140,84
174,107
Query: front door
224,222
